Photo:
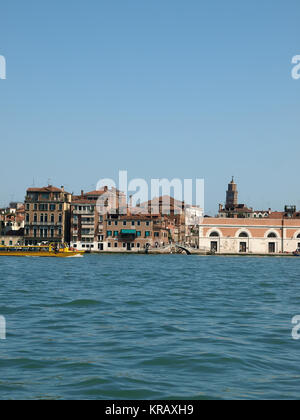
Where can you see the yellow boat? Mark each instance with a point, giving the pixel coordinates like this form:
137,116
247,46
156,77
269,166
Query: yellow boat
51,250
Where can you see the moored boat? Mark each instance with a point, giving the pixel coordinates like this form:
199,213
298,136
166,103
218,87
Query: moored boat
297,253
51,250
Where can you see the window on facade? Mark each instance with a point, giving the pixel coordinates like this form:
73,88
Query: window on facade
214,235
138,233
272,235
243,235
124,223
298,237
42,217
116,233
52,218
109,233
109,245
147,234
27,217
116,244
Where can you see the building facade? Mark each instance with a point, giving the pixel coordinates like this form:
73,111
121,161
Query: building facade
135,232
102,221
47,215
88,216
263,236
12,238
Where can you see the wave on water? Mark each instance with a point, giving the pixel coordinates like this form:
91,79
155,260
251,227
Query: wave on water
75,256
82,302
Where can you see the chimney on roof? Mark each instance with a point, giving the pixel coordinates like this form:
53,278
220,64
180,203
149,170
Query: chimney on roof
106,188
82,192
62,188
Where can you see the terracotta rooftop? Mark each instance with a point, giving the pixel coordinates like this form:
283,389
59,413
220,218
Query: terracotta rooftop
50,188
96,192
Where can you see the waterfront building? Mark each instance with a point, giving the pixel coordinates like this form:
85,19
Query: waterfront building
47,215
239,229
134,232
12,224
12,237
250,236
120,228
87,224
174,211
193,217
12,218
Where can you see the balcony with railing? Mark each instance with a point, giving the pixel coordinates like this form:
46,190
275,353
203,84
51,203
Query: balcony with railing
90,222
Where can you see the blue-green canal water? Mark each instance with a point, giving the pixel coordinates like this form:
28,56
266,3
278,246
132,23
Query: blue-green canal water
149,327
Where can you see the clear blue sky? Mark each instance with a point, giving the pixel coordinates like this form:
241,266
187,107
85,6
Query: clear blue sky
162,88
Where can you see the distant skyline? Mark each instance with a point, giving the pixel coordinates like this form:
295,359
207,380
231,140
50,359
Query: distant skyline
163,89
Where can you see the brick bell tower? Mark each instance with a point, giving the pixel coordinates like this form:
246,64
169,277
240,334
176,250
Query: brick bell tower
232,195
